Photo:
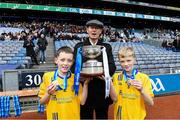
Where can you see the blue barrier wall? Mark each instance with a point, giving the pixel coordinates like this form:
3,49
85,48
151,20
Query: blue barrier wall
165,84
162,84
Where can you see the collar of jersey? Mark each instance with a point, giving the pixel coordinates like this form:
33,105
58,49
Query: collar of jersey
68,75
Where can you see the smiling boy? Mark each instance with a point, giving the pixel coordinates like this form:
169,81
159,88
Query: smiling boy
57,89
132,87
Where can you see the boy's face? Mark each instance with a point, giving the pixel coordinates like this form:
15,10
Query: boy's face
94,32
64,62
127,63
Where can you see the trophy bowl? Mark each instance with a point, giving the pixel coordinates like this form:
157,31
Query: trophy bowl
91,51
92,67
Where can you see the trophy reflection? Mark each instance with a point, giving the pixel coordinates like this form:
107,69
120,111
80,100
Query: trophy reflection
92,67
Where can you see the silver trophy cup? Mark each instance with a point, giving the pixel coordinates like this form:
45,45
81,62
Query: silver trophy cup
92,67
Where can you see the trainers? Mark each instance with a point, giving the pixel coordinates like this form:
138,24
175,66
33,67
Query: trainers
40,62
44,62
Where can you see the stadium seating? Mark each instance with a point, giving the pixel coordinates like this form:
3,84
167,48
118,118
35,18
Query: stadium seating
10,29
12,53
150,59
70,43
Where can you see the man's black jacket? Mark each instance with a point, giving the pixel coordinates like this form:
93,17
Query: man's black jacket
96,87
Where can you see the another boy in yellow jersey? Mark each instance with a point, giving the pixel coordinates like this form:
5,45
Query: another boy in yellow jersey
132,87
57,89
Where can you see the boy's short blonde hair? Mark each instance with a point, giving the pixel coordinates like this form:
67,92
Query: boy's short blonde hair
126,52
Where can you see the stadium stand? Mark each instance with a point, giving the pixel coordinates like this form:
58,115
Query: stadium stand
12,52
150,59
13,56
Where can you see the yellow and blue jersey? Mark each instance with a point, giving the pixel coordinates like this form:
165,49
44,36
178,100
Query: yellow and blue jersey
130,104
62,104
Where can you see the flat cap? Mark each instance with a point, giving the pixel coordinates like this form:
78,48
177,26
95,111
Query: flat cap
95,23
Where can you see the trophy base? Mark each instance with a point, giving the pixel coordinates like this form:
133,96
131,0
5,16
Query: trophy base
92,71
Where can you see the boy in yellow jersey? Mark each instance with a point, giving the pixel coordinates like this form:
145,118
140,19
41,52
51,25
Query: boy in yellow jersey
57,89
132,87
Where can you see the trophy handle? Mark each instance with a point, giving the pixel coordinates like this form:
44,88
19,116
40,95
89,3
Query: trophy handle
102,48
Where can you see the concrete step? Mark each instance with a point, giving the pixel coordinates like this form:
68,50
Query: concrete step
50,58
44,65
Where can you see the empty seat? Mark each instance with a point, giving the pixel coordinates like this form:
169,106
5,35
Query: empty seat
17,58
3,62
163,71
158,66
11,54
151,66
141,62
147,62
165,65
118,68
3,55
143,67
12,62
7,58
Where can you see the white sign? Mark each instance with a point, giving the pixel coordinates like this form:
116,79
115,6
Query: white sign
87,11
165,18
157,86
132,15
109,13
148,16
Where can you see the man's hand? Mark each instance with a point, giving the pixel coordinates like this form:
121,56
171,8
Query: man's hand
87,81
83,79
101,77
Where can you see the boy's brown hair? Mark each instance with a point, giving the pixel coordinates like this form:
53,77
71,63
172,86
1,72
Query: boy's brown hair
126,52
65,49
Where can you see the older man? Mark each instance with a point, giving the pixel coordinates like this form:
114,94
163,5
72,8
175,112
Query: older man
96,100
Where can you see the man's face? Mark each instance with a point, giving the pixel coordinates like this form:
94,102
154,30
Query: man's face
127,63
178,38
42,36
94,32
64,62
